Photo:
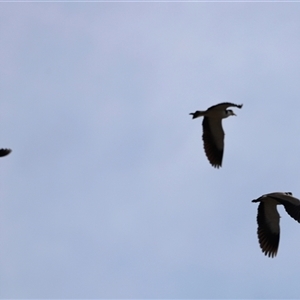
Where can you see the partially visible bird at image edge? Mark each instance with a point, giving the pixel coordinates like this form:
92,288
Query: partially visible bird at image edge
213,133
268,230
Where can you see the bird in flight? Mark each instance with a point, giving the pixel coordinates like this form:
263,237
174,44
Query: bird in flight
4,152
213,133
268,230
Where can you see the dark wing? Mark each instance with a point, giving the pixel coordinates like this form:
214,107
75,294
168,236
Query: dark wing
290,203
293,211
225,105
213,139
268,228
4,152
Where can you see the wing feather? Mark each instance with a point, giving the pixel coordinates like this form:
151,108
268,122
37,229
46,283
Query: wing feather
4,152
225,105
268,230
213,139
290,203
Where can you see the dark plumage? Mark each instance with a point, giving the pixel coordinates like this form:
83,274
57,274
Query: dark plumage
4,152
268,230
213,133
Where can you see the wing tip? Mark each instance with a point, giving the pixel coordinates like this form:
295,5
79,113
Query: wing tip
4,151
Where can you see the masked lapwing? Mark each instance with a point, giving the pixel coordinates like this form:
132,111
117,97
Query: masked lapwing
268,230
4,152
213,133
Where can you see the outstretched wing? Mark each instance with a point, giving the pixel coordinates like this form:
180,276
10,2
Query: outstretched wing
268,230
213,139
290,203
225,105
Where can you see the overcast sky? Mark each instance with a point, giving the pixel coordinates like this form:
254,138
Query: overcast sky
108,192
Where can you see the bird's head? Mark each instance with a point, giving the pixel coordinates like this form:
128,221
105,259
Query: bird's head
230,112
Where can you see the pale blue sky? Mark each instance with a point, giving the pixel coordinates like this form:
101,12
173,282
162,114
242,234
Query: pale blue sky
108,193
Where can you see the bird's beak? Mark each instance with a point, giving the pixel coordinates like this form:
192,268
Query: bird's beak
233,114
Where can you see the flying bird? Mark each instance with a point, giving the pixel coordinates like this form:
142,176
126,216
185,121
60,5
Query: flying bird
213,133
268,230
4,152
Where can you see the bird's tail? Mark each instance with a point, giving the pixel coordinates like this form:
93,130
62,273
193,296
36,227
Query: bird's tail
197,114
256,200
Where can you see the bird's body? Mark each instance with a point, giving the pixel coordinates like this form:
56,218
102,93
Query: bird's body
4,152
213,133
268,230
